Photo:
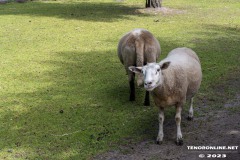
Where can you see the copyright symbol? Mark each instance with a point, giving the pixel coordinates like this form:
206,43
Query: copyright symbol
201,156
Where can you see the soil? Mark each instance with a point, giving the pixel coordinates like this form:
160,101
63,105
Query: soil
162,10
214,127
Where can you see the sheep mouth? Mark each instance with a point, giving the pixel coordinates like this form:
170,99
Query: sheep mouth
149,88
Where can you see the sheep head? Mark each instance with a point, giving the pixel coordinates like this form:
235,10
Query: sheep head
152,73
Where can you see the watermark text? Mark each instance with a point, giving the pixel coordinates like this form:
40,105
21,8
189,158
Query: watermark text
207,148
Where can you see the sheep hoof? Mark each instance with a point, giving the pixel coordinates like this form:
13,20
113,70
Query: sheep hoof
179,142
159,142
189,118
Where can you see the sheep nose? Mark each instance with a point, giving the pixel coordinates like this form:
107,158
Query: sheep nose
148,83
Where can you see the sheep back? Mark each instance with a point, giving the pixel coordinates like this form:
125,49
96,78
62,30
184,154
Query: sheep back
137,48
182,78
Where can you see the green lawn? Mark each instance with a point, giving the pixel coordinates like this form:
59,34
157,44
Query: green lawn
64,93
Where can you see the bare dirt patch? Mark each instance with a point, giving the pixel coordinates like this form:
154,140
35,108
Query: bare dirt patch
218,128
162,10
213,127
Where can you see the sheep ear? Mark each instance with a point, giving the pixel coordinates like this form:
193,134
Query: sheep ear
165,65
135,69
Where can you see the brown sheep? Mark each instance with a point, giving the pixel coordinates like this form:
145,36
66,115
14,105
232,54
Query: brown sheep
137,48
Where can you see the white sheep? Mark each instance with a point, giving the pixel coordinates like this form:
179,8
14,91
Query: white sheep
137,48
171,82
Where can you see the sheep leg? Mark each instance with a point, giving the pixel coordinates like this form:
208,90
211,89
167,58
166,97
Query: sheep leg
190,113
161,120
131,77
147,101
179,141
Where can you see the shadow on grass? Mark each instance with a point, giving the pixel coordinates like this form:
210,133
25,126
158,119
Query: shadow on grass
84,107
217,47
86,11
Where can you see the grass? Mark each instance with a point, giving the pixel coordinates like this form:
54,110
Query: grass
64,93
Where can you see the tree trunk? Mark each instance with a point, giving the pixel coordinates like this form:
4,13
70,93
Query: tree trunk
153,3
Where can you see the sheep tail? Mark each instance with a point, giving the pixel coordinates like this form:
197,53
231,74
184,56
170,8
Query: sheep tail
139,44
139,52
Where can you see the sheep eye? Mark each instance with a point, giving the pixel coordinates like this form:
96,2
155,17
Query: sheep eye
158,70
142,71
